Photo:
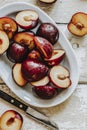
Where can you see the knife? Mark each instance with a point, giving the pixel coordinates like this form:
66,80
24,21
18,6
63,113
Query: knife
36,115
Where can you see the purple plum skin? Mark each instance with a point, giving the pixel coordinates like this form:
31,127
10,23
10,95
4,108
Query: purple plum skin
33,70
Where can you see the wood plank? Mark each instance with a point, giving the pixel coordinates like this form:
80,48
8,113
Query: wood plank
70,115
61,11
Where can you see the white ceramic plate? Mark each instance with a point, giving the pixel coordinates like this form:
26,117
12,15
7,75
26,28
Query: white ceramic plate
70,62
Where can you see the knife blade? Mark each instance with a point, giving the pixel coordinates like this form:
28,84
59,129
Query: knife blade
36,115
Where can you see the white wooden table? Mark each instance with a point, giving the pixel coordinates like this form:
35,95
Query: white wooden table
72,114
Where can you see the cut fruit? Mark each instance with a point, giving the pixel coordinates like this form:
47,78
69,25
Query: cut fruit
9,26
34,54
48,1
17,53
78,24
49,32
25,38
41,82
4,42
60,76
11,120
33,70
44,46
56,58
27,19
17,75
44,92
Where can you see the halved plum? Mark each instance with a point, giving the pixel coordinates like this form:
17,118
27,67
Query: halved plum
9,26
17,75
4,42
48,1
60,76
11,120
25,38
27,19
17,52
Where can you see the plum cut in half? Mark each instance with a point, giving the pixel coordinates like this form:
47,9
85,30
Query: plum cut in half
25,38
17,75
41,82
44,46
11,120
33,70
60,76
4,42
56,58
78,24
44,92
49,32
9,26
17,53
27,19
48,1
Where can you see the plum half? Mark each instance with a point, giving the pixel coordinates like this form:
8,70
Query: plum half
49,32
33,70
17,53
48,1
9,26
27,19
60,76
11,120
4,42
78,24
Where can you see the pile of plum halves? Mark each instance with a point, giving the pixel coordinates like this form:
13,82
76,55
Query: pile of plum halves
34,57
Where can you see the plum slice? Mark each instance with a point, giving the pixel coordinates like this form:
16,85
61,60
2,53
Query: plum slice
17,75
25,38
27,19
56,58
41,82
4,42
44,46
9,26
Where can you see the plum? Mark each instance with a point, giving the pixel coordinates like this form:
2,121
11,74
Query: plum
17,52
27,19
9,26
44,46
45,92
33,70
48,31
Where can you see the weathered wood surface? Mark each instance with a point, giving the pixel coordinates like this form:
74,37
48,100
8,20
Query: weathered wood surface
61,11
72,114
